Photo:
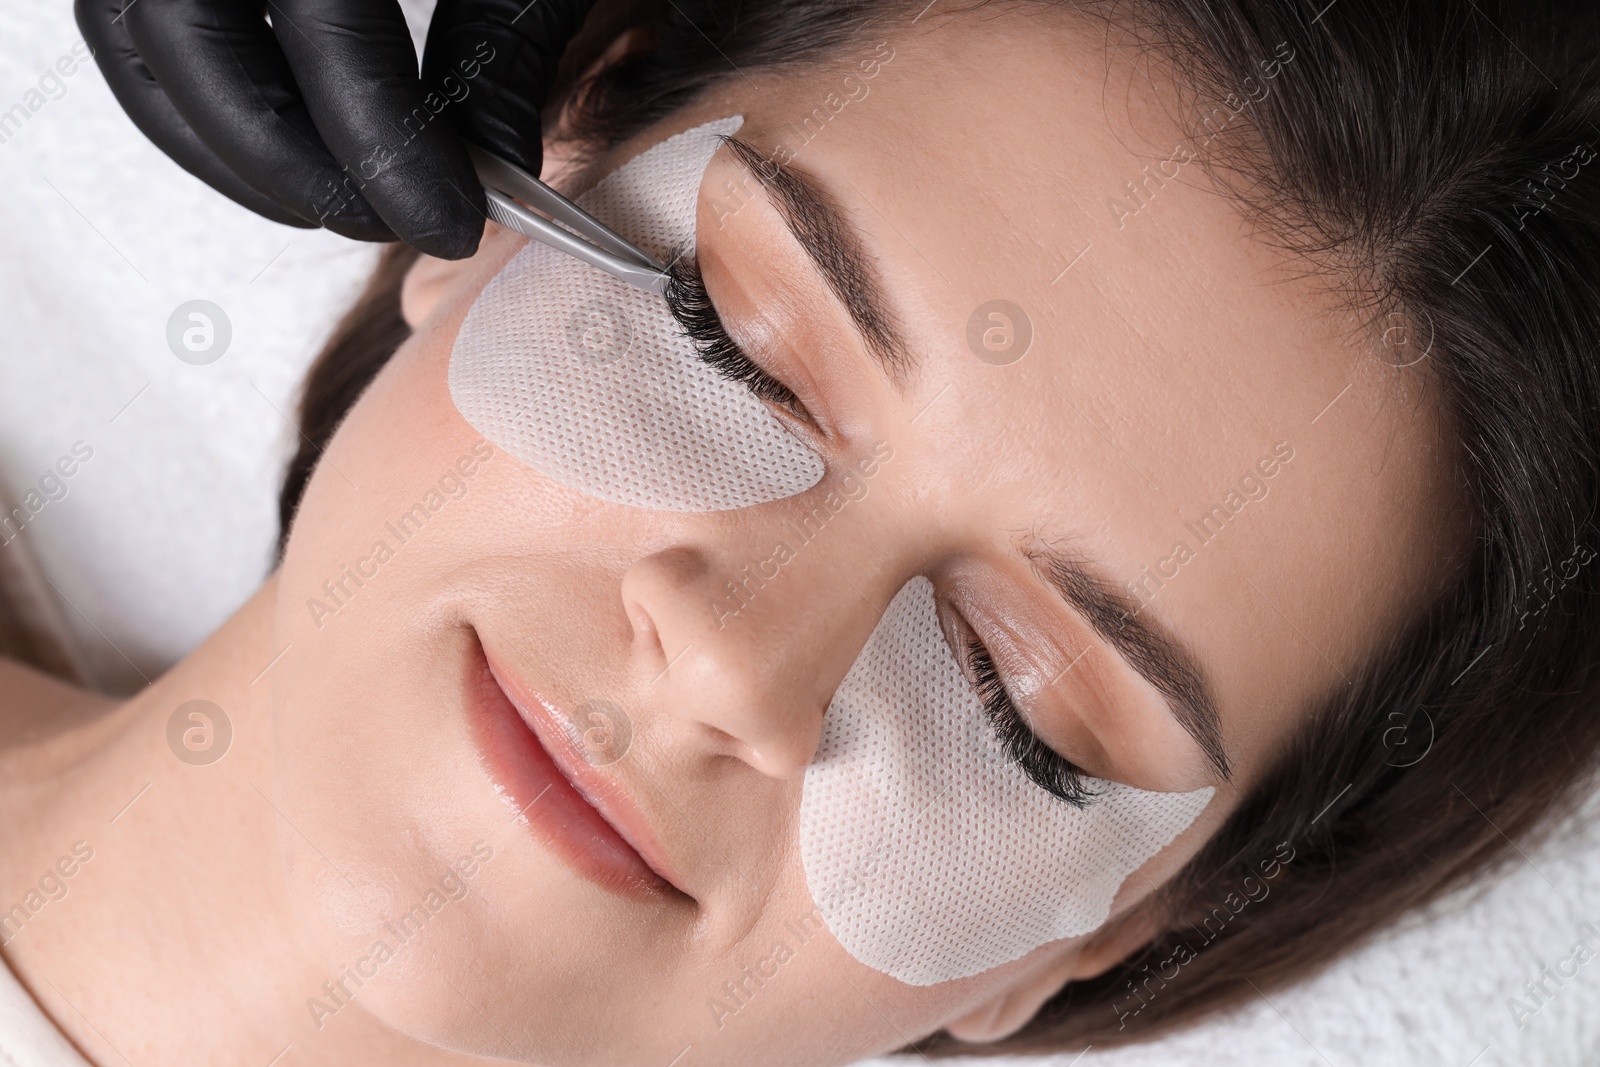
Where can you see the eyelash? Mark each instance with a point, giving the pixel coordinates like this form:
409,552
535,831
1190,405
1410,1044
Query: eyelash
691,305
1047,769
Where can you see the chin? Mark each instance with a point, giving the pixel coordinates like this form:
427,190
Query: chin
431,908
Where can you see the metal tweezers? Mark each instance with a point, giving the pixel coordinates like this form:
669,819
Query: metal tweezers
513,193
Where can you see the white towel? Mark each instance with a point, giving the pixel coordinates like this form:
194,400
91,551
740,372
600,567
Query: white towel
1434,992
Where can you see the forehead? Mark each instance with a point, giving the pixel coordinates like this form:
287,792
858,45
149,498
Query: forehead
1040,170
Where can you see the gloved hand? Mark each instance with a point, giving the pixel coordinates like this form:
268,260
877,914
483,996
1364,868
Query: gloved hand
319,119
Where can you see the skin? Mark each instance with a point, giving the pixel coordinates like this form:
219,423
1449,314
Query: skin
1166,361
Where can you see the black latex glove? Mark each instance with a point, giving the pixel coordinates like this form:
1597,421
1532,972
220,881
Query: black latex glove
320,119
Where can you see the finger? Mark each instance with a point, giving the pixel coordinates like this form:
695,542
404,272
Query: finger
357,67
147,104
223,72
505,53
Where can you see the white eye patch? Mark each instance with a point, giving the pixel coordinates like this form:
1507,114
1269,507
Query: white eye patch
931,856
593,383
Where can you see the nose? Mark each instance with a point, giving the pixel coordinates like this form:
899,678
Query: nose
751,647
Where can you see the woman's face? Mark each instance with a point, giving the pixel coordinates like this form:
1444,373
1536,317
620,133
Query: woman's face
1115,420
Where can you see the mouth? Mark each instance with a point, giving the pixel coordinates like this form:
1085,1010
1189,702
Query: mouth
579,813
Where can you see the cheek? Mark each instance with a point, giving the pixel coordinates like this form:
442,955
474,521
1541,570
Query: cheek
404,438
363,618
768,991
374,760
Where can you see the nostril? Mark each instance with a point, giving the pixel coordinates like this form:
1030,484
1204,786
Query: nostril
779,759
637,601
791,748
646,638
656,591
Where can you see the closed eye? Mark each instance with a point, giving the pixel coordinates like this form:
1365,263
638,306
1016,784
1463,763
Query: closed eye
1046,768
691,305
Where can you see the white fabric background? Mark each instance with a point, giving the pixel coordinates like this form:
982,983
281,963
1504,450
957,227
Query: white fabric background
170,527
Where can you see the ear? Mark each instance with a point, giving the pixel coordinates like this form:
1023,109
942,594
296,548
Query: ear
429,279
1010,1009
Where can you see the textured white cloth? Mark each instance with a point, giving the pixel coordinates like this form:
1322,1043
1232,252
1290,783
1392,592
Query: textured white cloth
1431,993
27,1036
592,382
170,526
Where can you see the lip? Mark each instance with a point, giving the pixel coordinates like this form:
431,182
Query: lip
583,816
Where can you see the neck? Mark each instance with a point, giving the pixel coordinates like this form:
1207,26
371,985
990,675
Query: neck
171,939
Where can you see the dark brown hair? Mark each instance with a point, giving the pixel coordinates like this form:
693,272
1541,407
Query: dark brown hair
1436,161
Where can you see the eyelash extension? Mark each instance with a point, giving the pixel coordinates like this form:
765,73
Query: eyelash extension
691,305
1047,769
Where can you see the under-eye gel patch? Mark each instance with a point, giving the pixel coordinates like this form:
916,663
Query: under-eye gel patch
592,382
930,854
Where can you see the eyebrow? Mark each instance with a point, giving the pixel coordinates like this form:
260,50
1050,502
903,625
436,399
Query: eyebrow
818,223
1155,654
